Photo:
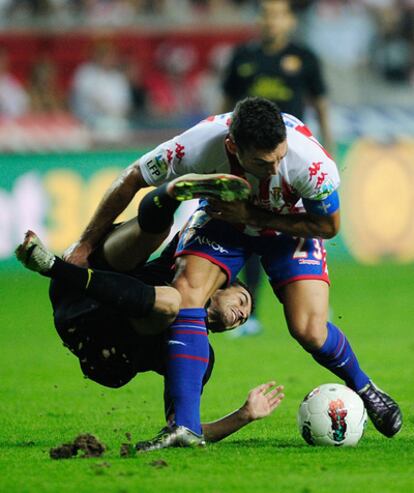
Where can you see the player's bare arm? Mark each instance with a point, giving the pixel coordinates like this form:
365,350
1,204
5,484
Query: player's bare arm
260,403
302,225
114,202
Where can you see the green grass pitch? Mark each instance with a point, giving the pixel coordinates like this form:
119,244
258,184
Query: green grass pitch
45,401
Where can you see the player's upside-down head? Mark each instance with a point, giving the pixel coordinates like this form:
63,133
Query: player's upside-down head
230,307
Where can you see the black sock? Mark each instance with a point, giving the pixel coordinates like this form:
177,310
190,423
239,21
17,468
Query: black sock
156,210
120,291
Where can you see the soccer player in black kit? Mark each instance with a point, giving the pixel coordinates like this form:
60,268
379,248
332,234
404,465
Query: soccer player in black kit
115,323
278,69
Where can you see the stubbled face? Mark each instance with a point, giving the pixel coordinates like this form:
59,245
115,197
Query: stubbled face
262,164
276,19
229,308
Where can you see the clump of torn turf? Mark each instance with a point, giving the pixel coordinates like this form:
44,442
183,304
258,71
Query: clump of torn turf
64,451
127,449
88,444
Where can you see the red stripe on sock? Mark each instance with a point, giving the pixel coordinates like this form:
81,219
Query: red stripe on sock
186,320
189,356
188,331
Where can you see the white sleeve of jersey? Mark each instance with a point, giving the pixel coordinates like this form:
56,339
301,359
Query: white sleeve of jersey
313,174
317,180
198,150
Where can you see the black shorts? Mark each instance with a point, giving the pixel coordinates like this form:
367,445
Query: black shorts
110,351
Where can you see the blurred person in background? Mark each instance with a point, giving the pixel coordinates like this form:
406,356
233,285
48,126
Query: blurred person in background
207,85
101,95
113,12
288,74
139,94
170,84
14,101
393,50
45,94
27,11
342,33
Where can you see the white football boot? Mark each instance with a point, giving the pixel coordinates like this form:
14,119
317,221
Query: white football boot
33,254
175,436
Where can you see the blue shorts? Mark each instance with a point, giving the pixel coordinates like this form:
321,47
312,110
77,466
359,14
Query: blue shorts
285,259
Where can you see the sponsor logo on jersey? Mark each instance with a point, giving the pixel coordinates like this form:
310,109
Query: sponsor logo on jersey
291,64
315,172
179,151
321,179
157,166
314,169
325,190
202,240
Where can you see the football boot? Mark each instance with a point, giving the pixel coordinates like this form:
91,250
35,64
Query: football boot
33,254
383,411
219,186
175,436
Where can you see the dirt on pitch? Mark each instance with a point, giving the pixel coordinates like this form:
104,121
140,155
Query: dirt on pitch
88,445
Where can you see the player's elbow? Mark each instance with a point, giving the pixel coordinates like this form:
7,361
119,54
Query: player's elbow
135,176
330,232
330,227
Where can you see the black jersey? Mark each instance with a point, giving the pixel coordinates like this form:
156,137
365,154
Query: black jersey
110,351
286,78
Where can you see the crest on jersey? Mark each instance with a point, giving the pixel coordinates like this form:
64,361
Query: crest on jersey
276,193
291,64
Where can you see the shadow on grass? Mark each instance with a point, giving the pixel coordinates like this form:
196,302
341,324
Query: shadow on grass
266,442
25,444
368,442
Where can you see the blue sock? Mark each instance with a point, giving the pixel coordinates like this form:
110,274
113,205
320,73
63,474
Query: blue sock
337,356
188,354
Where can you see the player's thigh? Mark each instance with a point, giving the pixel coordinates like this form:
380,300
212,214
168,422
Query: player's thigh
298,273
164,312
197,278
209,253
286,259
128,245
306,305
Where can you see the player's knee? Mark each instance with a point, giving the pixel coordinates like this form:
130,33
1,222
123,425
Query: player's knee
167,302
310,332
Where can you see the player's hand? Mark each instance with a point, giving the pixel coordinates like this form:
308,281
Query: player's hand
236,211
263,400
78,254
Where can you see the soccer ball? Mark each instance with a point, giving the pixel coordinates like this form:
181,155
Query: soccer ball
332,414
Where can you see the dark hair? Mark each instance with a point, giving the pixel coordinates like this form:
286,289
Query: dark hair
257,123
238,282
